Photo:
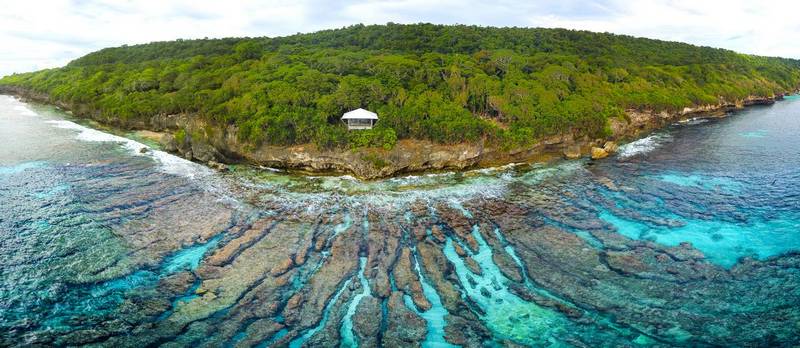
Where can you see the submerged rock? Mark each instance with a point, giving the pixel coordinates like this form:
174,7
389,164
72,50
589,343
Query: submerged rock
404,327
407,281
367,322
473,265
282,267
507,266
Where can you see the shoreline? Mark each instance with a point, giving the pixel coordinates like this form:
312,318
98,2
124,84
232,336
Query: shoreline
208,144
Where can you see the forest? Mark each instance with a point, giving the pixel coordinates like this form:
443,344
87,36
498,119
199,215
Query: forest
447,84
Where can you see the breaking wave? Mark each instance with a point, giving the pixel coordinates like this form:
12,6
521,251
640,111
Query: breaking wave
20,107
642,146
693,121
169,164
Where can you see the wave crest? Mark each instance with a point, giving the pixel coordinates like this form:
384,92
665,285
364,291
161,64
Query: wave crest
642,146
168,163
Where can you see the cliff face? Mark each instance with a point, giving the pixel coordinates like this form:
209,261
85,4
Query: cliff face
197,140
204,142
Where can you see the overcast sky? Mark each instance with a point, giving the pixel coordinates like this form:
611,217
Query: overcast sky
41,34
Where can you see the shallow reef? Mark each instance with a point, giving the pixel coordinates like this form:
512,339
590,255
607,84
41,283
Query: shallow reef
689,241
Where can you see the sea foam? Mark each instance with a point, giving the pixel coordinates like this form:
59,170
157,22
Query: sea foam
24,110
642,146
168,163
20,107
693,121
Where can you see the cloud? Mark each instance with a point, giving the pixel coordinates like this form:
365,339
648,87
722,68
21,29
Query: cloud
757,29
38,34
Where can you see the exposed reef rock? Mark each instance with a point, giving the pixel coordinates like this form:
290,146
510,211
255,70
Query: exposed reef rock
599,153
482,271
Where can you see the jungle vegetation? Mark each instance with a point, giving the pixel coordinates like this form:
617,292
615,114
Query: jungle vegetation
446,84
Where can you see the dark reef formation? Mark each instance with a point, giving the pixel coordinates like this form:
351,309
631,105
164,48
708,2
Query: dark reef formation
278,274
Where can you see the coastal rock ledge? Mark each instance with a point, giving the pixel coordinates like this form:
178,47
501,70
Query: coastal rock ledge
195,139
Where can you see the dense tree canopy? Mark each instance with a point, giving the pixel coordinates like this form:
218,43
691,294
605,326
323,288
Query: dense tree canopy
447,84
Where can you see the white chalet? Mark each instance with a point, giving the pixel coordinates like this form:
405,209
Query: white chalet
359,119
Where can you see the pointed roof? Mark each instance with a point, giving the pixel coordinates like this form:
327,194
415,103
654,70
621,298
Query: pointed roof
360,114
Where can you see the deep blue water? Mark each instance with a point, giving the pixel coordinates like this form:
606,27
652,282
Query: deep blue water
93,232
731,185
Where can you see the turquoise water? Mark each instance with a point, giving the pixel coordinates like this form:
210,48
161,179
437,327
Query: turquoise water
706,182
102,244
189,258
736,200
300,341
759,133
348,337
434,316
722,242
506,313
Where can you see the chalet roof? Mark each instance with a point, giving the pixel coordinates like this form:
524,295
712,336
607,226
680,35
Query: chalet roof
360,114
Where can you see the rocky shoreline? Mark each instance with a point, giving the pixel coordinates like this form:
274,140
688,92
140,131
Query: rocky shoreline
195,139
161,260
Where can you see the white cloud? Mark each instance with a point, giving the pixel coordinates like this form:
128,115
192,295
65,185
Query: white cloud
37,34
743,26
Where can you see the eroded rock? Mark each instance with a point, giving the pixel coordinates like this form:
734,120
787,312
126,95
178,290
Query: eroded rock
367,321
599,153
404,327
572,152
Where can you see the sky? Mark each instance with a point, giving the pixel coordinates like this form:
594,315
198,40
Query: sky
38,34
